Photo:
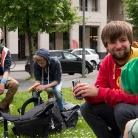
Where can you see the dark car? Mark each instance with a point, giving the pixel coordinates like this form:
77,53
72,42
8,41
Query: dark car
70,63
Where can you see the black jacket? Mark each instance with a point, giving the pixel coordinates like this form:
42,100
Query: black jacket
53,69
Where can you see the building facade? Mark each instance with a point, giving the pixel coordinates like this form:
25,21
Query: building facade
97,14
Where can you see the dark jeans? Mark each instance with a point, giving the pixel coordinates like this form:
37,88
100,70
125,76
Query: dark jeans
100,117
123,113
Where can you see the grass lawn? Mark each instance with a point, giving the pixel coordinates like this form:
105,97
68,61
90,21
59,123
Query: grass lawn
82,130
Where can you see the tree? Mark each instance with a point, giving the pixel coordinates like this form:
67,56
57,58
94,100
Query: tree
131,9
33,16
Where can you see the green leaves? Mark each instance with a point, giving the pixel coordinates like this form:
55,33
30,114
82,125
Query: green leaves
131,9
36,15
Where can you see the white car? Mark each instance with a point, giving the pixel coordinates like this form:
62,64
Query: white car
90,55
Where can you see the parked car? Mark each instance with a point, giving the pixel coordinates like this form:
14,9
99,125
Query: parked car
98,66
90,55
70,63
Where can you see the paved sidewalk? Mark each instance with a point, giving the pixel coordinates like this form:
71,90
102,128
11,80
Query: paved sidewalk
20,66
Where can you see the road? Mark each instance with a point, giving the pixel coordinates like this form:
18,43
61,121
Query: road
24,84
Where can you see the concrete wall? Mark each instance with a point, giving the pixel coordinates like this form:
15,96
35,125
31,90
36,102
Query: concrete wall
12,43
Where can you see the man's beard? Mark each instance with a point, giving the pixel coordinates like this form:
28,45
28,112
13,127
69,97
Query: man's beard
124,56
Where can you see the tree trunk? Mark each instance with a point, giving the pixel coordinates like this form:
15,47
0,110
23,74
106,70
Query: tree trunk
31,54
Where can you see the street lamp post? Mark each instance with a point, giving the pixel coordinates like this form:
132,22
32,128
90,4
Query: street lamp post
83,40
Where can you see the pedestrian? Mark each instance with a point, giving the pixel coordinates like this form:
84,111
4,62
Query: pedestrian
6,82
129,84
106,108
48,72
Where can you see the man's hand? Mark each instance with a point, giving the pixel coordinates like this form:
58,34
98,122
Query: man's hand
40,88
2,87
85,89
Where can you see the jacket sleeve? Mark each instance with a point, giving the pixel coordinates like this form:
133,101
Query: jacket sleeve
37,71
7,62
58,72
112,97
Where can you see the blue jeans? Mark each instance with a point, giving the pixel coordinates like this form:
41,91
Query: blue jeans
57,92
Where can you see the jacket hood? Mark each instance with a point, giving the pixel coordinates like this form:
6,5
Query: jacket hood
44,53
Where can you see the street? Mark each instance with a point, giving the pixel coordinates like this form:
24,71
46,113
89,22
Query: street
24,84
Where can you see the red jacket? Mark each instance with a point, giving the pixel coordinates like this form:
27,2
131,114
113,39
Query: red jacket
108,81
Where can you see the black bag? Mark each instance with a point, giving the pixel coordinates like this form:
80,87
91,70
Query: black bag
38,121
70,117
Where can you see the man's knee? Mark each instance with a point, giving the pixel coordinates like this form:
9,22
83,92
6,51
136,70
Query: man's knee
120,110
12,83
15,84
50,92
83,108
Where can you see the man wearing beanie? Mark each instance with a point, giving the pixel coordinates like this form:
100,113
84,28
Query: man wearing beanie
129,85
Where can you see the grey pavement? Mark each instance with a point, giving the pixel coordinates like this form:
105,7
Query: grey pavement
20,66
20,75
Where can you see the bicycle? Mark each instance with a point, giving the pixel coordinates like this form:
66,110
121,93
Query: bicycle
13,64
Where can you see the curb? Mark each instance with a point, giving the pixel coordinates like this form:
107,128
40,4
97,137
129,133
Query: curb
17,70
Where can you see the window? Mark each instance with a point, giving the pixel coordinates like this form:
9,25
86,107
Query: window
57,55
80,36
52,41
78,52
86,52
93,37
69,56
92,51
90,5
66,40
81,5
94,5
